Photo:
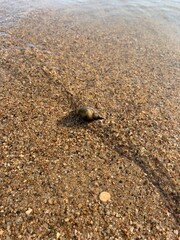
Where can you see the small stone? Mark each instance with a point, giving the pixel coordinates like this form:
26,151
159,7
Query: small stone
108,213
58,235
104,196
80,205
66,219
29,211
1,232
50,201
19,220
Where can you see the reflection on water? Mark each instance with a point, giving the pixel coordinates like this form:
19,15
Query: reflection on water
159,16
3,34
12,10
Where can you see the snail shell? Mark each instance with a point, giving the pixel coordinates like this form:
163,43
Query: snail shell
89,113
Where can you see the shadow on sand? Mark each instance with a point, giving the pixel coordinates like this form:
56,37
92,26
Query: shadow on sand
72,120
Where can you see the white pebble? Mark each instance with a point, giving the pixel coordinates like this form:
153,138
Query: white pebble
29,211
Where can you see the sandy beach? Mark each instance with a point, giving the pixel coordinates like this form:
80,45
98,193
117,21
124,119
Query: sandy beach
121,57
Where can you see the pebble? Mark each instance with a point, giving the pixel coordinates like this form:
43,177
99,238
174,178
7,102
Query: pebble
66,219
104,196
29,211
58,235
50,201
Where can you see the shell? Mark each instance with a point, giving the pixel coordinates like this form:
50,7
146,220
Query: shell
89,113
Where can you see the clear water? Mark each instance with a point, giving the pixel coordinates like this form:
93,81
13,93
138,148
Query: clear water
159,15
163,10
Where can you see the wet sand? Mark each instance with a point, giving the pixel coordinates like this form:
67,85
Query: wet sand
121,57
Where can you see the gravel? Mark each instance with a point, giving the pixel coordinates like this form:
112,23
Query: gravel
54,169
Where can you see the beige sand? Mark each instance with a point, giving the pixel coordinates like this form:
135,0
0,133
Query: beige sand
53,167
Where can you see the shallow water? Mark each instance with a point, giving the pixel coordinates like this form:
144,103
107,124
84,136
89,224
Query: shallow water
169,11
163,16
